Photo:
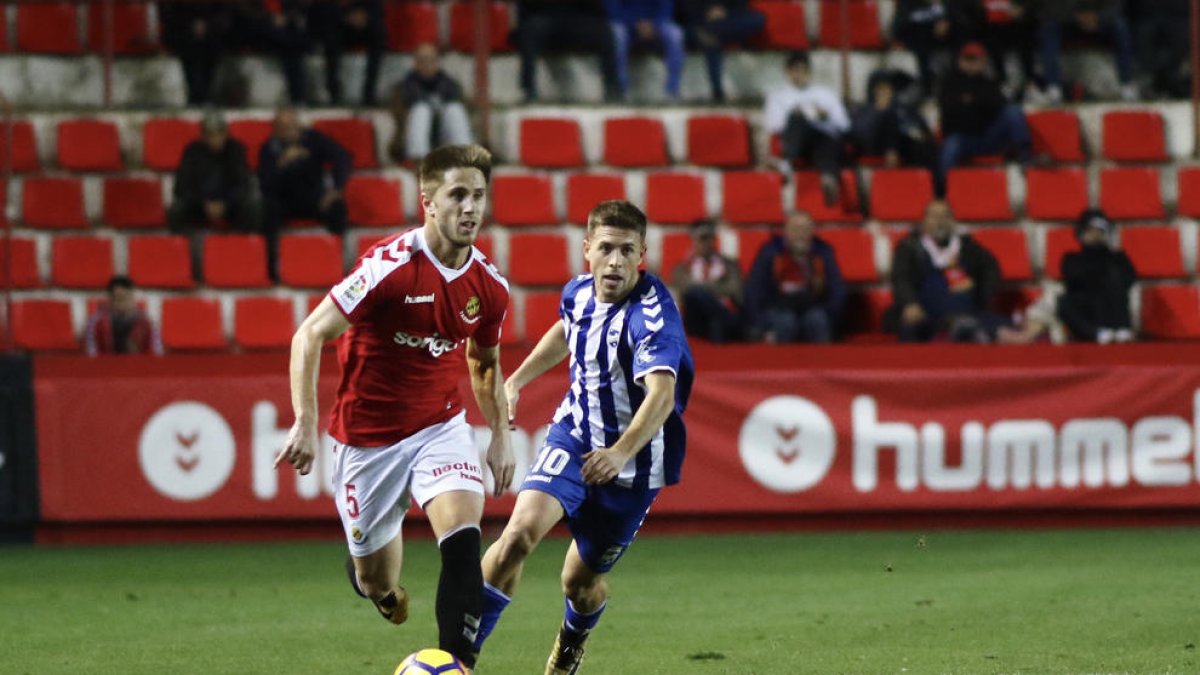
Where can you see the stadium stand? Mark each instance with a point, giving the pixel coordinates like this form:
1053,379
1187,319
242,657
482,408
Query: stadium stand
411,24
1059,241
1134,136
53,203
43,325
163,141
89,145
900,195
235,261
263,322
551,143
538,259
130,28
23,155
585,190
252,133
635,142
1155,250
979,195
1011,249
787,26
310,261
718,140
855,250
862,21
20,256
133,202
1057,135
1055,194
1171,311
374,201
520,200
160,261
192,324
81,262
1131,193
356,135
462,26
809,198
541,311
45,28
752,197
675,198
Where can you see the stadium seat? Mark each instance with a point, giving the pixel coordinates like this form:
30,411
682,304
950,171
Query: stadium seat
749,242
676,247
163,142
979,194
635,141
263,322
675,198
130,28
133,202
356,135
53,203
1189,192
551,142
752,197
541,312
310,261
1155,250
5,44
252,133
865,31
81,262
43,325
520,200
462,27
161,261
585,190
487,246
1056,133
235,261
538,259
864,313
411,24
510,332
366,241
1134,136
1130,193
900,195
48,28
89,145
1059,242
855,252
24,155
374,201
1011,248
1171,312
192,324
787,27
1055,194
24,270
718,140
810,199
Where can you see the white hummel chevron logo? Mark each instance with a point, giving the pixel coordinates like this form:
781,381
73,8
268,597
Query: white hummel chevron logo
654,325
652,310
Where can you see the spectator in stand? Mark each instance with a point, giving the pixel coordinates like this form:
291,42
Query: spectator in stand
581,25
336,24
1104,19
712,24
646,23
977,119
1038,321
302,174
428,105
1009,28
944,283
195,32
889,128
811,121
1162,40
795,292
710,287
284,32
1098,277
928,27
119,326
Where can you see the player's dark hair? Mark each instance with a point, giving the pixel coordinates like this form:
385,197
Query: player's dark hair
798,57
617,213
435,165
119,282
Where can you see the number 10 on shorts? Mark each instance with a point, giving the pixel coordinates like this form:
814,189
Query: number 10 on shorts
551,461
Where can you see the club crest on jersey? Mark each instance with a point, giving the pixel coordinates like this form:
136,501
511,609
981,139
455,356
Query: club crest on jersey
614,336
645,351
470,313
357,535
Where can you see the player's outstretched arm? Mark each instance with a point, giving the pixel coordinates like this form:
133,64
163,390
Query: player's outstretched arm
549,352
325,323
603,465
488,384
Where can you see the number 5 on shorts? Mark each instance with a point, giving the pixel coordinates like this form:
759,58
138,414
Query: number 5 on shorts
351,501
551,461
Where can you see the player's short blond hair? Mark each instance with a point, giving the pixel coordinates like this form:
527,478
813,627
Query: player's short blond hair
435,165
617,213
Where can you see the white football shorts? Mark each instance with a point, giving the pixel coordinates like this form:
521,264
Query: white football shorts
374,487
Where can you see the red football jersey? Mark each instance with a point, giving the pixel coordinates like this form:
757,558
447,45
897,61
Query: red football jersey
405,352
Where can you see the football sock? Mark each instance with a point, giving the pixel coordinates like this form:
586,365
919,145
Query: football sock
580,624
494,602
460,593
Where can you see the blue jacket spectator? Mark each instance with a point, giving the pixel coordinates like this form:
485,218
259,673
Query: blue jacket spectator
647,23
712,24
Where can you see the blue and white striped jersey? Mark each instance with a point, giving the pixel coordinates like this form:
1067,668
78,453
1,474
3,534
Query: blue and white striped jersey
613,347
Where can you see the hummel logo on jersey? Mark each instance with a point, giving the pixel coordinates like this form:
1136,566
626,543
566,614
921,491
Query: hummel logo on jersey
436,345
418,299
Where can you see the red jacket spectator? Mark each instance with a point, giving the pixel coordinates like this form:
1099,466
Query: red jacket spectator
119,326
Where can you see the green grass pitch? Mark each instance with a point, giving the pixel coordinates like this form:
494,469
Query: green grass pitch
1085,601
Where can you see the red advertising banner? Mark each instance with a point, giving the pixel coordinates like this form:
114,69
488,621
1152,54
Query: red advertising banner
194,438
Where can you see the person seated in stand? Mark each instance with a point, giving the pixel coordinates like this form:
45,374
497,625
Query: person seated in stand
578,26
930,27
709,286
712,24
119,326
811,121
336,24
1098,278
1104,19
647,23
428,105
890,128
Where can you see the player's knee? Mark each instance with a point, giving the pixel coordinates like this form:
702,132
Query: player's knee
516,545
584,589
375,584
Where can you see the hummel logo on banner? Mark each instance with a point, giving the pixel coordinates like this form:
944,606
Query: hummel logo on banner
418,299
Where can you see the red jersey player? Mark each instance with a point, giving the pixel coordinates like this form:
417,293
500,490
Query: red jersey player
413,308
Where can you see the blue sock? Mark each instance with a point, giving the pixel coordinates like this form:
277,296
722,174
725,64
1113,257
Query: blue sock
581,623
494,602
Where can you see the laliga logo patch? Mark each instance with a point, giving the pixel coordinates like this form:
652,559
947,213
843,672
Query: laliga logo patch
186,451
470,313
787,444
354,289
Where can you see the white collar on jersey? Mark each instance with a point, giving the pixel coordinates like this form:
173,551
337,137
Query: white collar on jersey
448,273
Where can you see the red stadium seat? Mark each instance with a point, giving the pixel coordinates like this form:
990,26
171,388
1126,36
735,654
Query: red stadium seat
1134,136
585,190
487,247
24,156
551,142
787,27
510,332
81,262
130,28
541,312
1056,133
133,202
192,324
252,133
1130,193
1059,242
263,322
900,195
161,261
1155,250
1171,312
749,242
367,240
523,200
411,24
979,194
635,141
48,28
864,315
24,271
676,247
235,261
5,44
310,261
462,27
356,135
1055,194
855,252
163,142
53,203
89,145
43,325
1189,192
811,200
1011,248
718,140
863,25
374,201
675,198
538,259
752,197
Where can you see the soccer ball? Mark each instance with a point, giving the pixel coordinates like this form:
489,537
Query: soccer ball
431,662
